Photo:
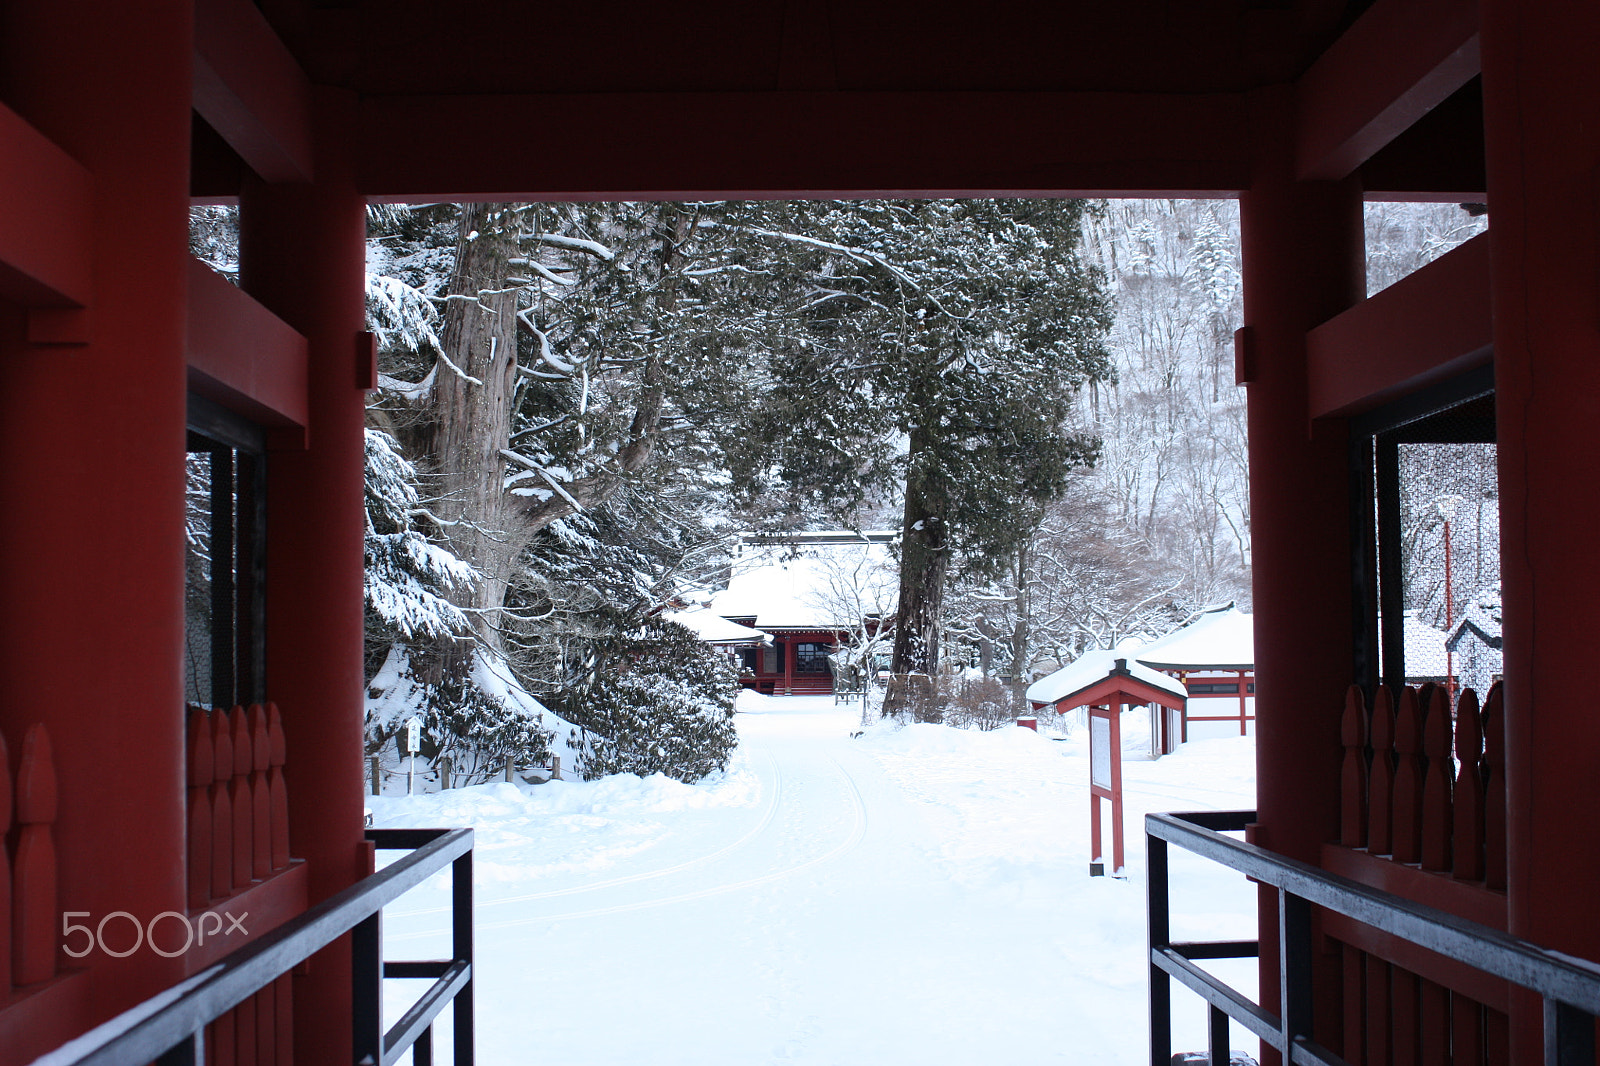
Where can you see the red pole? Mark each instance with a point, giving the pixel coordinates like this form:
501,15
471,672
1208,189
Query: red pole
1116,789
1449,619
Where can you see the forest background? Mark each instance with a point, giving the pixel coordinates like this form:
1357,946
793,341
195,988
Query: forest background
583,406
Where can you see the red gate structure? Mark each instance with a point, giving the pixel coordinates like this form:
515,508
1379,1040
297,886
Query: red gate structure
116,118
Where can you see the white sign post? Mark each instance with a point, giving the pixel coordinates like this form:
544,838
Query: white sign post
413,742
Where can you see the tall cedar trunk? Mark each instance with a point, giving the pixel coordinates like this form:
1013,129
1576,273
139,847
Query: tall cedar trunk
474,423
474,388
924,562
1021,632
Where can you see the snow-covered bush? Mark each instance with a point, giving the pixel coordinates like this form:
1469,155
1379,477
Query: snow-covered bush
475,718
660,701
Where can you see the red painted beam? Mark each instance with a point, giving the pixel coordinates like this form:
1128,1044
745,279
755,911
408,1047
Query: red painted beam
1423,329
1400,60
46,249
598,146
251,90
243,356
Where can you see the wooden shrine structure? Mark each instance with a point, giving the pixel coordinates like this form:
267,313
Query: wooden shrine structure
1108,683
115,346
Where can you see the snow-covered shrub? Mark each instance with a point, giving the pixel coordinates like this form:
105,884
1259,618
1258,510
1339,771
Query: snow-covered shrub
476,716
660,701
954,700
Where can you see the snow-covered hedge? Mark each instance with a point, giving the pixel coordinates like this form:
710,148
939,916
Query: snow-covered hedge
660,702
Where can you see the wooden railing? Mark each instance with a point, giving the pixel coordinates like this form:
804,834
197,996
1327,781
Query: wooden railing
238,840
28,880
1423,815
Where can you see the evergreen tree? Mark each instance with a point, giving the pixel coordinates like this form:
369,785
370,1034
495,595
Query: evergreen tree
937,344
657,700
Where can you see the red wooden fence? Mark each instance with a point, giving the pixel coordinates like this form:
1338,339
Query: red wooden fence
28,911
238,836
1422,787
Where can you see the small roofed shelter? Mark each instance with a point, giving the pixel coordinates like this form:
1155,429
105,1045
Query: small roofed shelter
1107,682
1476,641
1095,676
1214,656
812,595
1427,655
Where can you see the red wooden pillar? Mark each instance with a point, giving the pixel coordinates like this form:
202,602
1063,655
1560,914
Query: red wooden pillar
92,480
1302,263
302,255
1542,135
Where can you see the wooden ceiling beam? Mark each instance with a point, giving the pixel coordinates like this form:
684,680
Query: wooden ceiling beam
251,90
46,250
1400,59
666,146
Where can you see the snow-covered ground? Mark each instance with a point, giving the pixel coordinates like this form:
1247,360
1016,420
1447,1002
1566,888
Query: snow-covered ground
909,896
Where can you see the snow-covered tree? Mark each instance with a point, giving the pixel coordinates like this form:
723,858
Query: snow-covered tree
657,701
936,346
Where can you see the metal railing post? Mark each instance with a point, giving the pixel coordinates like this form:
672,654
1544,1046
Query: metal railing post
461,949
1221,1052
1160,932
1294,966
190,1051
1568,1035
366,990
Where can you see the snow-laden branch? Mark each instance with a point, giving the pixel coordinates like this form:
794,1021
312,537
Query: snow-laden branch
546,354
462,374
594,248
539,469
543,271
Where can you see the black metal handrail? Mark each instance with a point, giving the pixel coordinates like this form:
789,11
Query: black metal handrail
170,1028
1570,987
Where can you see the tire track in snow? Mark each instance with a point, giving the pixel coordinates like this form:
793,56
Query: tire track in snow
766,819
858,832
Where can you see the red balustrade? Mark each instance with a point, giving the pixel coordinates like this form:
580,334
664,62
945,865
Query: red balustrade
239,836
5,871
238,800
1422,787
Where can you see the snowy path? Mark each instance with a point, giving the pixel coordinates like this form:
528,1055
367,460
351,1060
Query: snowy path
915,897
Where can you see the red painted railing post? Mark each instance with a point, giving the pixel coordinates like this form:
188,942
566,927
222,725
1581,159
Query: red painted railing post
1469,789
1408,778
1494,777
221,806
201,757
1436,817
243,804
1353,773
1380,793
5,871
278,749
34,911
261,810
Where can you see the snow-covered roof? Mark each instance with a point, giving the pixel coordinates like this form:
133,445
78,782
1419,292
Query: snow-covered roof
1425,652
823,584
1480,618
715,629
1093,667
1222,638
